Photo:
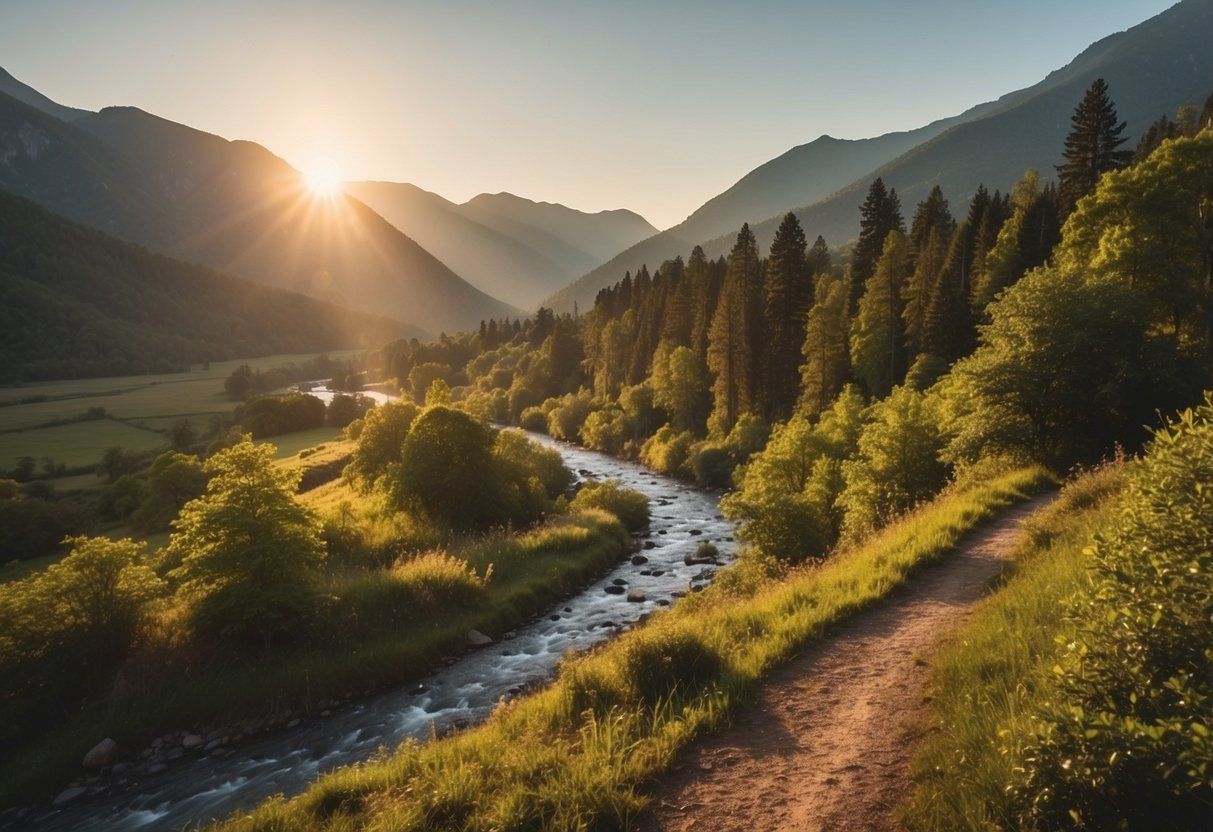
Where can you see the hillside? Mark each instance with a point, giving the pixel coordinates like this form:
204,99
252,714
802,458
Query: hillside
512,248
1152,69
78,303
229,205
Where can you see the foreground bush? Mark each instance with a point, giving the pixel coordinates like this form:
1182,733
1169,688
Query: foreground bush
1127,739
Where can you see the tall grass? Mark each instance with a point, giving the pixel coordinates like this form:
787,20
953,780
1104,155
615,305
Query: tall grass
984,679
577,755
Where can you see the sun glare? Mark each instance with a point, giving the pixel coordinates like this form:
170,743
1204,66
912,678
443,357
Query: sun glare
323,177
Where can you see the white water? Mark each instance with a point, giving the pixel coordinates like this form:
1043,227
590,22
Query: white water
196,790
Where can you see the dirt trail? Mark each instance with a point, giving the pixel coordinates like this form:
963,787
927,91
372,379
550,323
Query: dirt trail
827,744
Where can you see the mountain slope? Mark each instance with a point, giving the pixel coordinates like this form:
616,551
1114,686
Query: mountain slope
488,259
75,303
233,206
13,88
1152,69
560,232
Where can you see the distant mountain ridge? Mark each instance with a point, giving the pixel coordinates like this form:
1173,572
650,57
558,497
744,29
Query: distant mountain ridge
1152,69
230,205
79,303
510,247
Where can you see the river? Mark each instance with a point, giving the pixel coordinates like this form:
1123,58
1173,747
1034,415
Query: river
196,789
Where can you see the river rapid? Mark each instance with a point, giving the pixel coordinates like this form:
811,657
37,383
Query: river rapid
196,788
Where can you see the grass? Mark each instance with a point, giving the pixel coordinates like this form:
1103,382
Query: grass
577,755
985,676
153,401
529,572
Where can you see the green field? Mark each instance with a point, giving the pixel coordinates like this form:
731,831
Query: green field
138,408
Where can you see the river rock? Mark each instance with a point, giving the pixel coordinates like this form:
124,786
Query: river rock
696,559
68,795
102,754
695,532
156,768
636,596
477,638
637,560
217,742
648,544
175,753
191,741
619,582
613,589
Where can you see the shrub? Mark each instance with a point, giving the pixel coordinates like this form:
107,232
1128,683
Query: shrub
631,507
534,419
712,465
662,661
667,451
1128,740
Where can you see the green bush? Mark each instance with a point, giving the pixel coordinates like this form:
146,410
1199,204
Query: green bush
662,661
667,451
1127,742
631,507
712,465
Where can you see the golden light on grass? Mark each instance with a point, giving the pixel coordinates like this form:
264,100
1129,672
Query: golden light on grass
323,177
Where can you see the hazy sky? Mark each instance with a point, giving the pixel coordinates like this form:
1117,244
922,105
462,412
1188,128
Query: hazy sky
654,106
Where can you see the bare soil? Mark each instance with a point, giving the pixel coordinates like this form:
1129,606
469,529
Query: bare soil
827,744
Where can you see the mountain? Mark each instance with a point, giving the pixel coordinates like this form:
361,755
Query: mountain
1152,69
229,205
78,303
13,88
512,248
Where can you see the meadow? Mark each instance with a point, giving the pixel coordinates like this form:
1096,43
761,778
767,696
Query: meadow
48,419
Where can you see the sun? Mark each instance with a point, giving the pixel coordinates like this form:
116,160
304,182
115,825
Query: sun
323,177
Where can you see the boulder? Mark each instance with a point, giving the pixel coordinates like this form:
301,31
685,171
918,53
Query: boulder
191,741
68,795
637,560
613,589
104,753
636,596
477,638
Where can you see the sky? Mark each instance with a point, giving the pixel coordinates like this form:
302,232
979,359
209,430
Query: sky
653,106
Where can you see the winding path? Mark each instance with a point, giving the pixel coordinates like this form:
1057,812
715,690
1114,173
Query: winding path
827,744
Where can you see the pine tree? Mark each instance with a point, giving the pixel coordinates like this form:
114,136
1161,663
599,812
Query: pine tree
787,296
818,259
879,214
877,357
731,341
827,363
930,232
1025,240
1092,148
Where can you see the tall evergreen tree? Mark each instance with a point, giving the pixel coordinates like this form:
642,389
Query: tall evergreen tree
877,355
1092,147
818,258
879,214
734,332
827,362
787,296
1024,242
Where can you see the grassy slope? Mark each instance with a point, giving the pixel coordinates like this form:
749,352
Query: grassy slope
578,754
987,674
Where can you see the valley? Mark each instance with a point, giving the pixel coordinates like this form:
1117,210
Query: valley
343,486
